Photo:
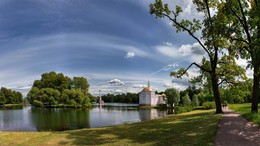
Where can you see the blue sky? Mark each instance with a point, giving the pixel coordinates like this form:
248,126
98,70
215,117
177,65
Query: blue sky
117,45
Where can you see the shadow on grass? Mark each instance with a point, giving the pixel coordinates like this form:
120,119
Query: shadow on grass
191,129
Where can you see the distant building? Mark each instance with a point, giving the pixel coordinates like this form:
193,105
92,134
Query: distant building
147,97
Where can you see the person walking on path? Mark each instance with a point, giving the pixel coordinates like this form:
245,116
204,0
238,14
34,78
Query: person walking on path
234,130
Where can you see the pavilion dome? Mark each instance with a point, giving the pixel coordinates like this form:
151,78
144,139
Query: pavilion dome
148,88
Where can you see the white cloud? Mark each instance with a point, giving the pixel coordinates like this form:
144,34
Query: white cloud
118,91
192,52
139,86
169,51
185,50
244,63
167,43
116,82
130,54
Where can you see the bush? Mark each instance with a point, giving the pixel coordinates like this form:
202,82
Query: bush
73,103
178,109
37,103
208,105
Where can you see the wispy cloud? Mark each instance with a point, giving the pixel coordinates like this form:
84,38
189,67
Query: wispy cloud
139,86
69,37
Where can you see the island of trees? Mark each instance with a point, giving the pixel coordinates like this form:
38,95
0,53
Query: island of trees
10,97
57,90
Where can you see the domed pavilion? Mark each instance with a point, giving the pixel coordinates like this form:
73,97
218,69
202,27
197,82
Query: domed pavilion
147,97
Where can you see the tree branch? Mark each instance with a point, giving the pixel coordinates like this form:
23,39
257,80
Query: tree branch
245,22
189,31
194,63
224,80
240,40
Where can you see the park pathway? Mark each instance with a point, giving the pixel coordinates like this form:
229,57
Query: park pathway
234,130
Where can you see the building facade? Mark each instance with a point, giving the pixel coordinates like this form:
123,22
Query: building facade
147,97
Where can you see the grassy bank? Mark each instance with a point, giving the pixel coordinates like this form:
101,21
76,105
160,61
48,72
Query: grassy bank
245,111
193,128
11,106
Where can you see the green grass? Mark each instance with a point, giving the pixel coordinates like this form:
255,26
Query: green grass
11,106
193,128
245,111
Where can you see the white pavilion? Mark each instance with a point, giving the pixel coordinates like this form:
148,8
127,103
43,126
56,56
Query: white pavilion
147,97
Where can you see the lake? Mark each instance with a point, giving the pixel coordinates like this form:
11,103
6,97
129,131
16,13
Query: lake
60,119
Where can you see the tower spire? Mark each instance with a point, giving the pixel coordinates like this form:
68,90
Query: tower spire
149,83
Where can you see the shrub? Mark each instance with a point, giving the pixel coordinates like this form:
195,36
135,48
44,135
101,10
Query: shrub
37,103
209,105
178,109
73,103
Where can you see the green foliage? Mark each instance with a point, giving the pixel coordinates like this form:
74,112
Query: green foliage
182,109
192,90
56,89
208,105
73,103
121,98
8,96
173,96
202,97
37,103
80,83
186,100
180,73
237,94
195,101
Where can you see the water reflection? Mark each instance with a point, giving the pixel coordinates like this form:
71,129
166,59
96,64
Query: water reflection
151,114
59,119
34,119
16,120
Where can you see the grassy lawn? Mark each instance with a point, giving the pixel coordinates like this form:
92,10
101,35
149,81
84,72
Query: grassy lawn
245,110
192,128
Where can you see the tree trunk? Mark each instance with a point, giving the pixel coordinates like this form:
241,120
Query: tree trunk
254,107
216,93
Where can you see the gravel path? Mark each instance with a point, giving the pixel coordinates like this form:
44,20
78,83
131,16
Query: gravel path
234,130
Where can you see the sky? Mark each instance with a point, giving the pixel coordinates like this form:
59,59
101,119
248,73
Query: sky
117,44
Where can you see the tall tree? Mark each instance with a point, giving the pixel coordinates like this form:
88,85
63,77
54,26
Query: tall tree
173,96
241,26
211,40
212,43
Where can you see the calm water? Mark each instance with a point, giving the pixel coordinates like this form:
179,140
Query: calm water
32,119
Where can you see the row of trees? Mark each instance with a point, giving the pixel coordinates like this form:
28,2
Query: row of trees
230,28
121,98
57,89
8,96
197,96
